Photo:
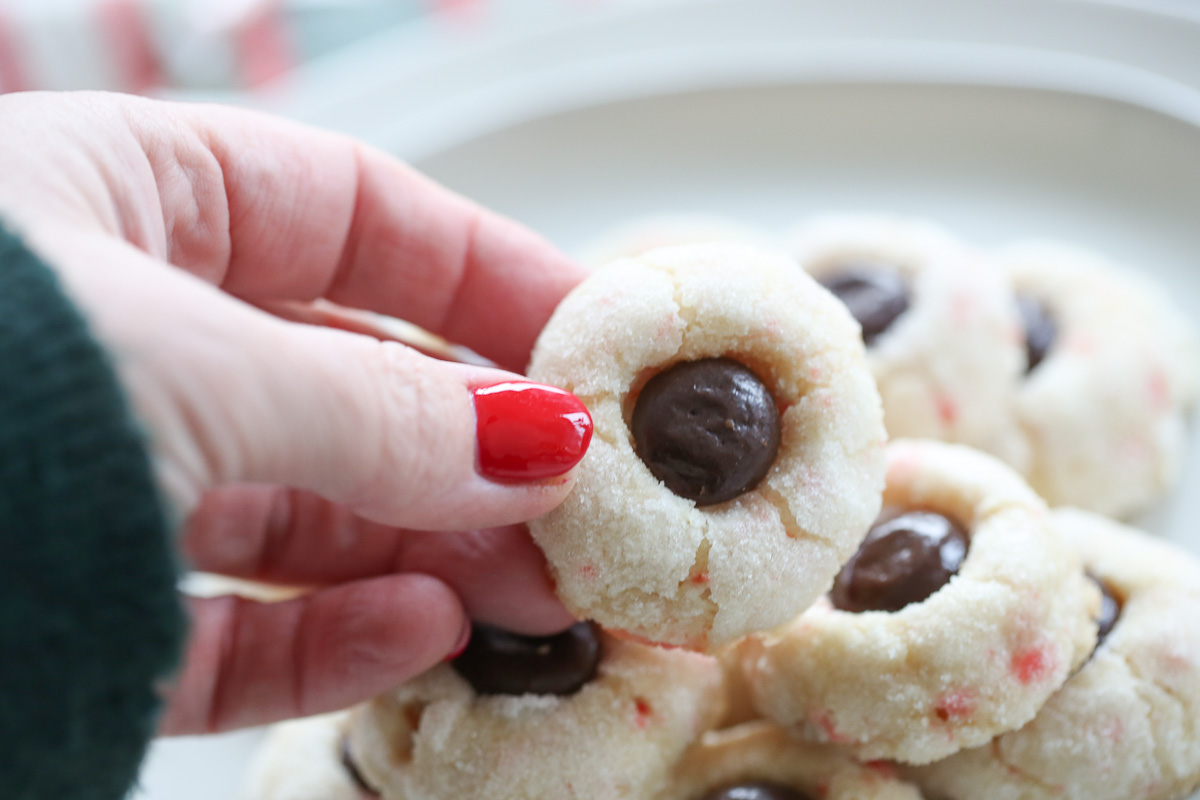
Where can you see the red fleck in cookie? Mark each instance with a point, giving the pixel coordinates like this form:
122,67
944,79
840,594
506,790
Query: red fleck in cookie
1125,725
580,715
737,455
937,318
1111,373
305,760
961,613
760,761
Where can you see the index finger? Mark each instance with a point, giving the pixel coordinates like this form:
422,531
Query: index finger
295,538
280,211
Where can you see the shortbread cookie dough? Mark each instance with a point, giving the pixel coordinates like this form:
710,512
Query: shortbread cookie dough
636,236
304,760
729,764
682,527
1113,372
613,734
934,649
937,319
1125,725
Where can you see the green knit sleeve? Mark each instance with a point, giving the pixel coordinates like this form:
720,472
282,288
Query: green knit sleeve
89,616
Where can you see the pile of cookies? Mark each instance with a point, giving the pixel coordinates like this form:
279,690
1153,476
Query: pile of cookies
1076,372
783,604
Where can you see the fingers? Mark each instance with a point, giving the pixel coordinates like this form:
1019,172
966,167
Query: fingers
250,663
234,395
293,213
296,538
383,429
273,210
500,576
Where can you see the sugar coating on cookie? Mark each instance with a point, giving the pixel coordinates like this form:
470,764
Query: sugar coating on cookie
975,658
1103,413
617,736
302,760
1124,726
942,337
631,554
638,235
764,752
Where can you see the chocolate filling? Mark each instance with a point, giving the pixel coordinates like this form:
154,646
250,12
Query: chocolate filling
499,662
1041,330
873,291
904,559
755,790
355,775
708,429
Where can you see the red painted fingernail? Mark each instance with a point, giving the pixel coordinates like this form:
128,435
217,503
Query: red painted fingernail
528,431
464,639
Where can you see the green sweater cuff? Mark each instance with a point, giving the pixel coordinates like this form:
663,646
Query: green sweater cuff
89,616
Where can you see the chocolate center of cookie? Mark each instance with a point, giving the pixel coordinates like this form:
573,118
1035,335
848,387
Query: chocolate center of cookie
708,429
352,769
499,662
904,559
874,292
755,791
1110,611
1040,329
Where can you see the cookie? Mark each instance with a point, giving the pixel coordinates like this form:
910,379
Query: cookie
304,760
1112,372
937,318
636,236
959,616
685,526
739,699
1125,725
450,733
729,764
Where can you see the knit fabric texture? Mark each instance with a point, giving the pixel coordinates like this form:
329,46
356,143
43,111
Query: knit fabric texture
89,616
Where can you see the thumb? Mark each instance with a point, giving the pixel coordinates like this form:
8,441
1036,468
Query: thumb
231,394
400,437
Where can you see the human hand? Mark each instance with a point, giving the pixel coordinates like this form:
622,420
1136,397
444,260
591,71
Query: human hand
301,454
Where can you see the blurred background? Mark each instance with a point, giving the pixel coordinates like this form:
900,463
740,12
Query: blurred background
1001,119
227,48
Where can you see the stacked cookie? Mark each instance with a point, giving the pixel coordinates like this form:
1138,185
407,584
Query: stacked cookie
1074,371
848,620
1124,724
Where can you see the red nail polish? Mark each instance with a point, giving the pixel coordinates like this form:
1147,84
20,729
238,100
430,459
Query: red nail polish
464,639
528,431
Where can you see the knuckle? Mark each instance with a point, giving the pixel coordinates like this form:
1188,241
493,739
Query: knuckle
413,402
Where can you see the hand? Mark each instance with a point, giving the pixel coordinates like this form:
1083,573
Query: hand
300,454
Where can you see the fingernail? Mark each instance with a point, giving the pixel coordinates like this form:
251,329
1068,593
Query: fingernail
464,639
528,431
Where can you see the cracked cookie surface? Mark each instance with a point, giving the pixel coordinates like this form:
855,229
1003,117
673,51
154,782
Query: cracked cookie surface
1128,723
974,659
942,339
636,557
616,737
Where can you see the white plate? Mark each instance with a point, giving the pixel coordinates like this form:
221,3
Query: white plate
1000,118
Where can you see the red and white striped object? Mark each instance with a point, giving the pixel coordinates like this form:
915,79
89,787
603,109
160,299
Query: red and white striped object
142,45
